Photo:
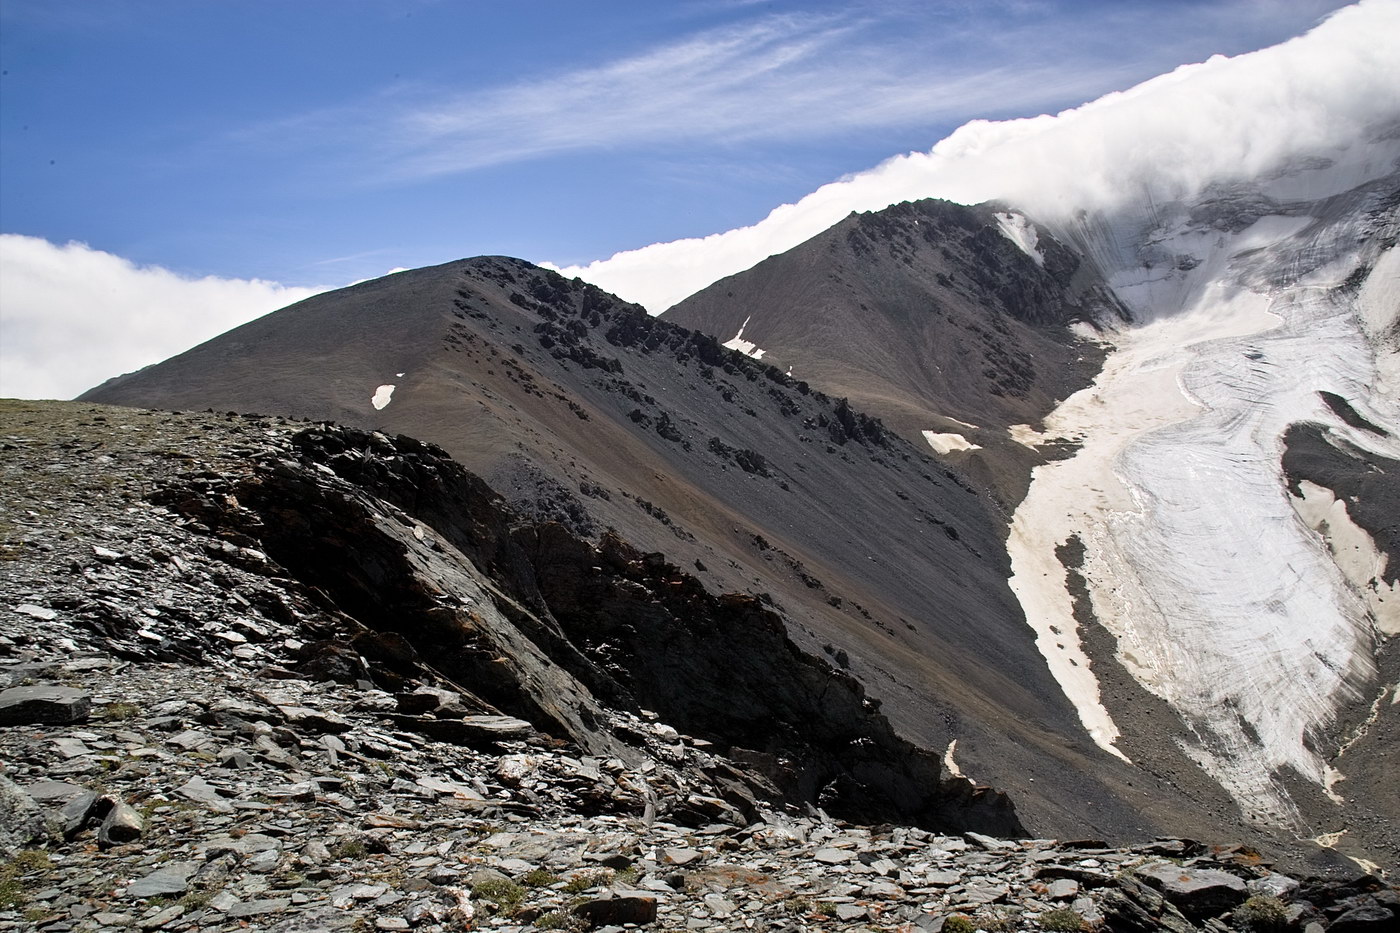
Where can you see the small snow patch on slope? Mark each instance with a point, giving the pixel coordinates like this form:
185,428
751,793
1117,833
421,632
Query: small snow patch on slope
1020,231
944,443
746,347
382,396
949,763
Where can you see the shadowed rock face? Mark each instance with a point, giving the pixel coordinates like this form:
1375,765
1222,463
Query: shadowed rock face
530,620
581,409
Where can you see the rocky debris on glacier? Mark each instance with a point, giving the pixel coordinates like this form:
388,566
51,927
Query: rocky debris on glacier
219,763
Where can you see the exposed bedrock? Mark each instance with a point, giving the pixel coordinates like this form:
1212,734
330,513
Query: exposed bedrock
529,620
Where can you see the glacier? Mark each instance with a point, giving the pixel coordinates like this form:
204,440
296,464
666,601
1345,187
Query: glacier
1253,612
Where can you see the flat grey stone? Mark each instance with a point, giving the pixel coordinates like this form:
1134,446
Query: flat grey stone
719,905
71,803
201,791
254,908
833,856
681,856
314,719
1197,892
989,843
168,915
44,704
171,879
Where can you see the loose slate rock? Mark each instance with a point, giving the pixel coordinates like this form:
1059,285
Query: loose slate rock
71,803
634,908
1198,892
44,704
172,879
201,791
21,819
121,825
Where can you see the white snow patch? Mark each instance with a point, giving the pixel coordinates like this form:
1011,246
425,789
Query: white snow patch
961,424
1019,230
746,347
1086,331
382,396
1360,561
1026,436
399,375
946,443
949,763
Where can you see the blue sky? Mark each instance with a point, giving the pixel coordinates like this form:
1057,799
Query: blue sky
170,169
318,142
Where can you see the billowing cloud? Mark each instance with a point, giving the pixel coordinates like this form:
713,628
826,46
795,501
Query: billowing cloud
1202,124
72,316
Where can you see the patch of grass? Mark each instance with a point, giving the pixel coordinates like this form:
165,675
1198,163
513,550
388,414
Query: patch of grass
116,712
558,920
196,900
586,879
504,896
827,909
539,878
628,875
1062,920
799,906
1262,914
29,860
13,894
349,848
959,923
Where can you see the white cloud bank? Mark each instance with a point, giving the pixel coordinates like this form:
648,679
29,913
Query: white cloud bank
1170,137
72,316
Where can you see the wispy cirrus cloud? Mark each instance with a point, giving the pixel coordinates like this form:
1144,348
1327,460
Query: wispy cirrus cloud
772,78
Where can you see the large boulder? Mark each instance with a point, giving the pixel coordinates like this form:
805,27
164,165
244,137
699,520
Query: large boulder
44,704
1197,892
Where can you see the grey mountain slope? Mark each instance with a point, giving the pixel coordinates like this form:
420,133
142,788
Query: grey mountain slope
585,410
925,314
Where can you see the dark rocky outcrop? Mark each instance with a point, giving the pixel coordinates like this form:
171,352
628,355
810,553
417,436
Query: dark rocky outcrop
558,625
